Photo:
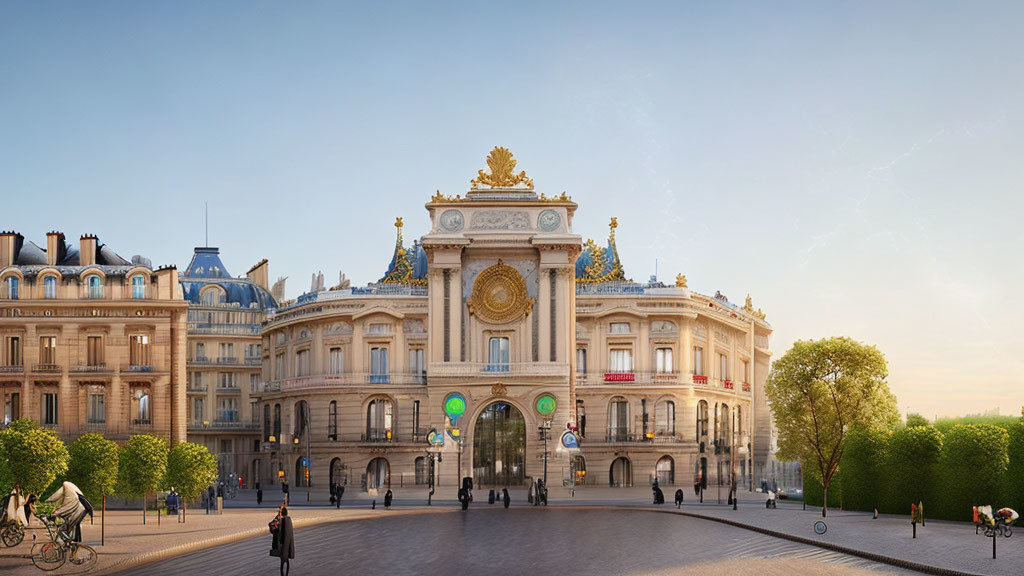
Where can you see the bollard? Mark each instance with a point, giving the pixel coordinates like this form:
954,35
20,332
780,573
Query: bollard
220,504
373,505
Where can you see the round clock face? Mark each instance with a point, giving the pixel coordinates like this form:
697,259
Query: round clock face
549,220
451,220
546,405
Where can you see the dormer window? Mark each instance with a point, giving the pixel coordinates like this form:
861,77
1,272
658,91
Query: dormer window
212,296
94,287
50,287
138,286
11,288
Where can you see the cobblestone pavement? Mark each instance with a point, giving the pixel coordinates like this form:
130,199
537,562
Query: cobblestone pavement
491,540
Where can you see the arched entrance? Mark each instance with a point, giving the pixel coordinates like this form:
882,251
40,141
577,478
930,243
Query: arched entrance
378,474
499,446
621,473
339,472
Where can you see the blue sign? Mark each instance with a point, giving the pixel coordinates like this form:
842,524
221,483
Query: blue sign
569,440
305,462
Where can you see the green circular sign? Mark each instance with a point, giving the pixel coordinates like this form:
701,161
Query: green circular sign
546,404
454,406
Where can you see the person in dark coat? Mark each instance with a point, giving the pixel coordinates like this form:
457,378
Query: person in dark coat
387,499
283,545
490,497
259,494
504,497
464,498
679,497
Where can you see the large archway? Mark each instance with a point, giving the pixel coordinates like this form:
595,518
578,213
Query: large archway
499,446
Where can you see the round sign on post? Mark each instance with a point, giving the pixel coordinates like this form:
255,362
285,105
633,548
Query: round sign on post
546,405
569,440
454,406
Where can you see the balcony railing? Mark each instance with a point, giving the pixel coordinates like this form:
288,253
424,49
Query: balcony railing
12,369
620,376
502,369
699,379
348,379
222,425
228,389
614,436
227,360
137,368
631,378
96,368
253,361
223,329
727,384
746,386
200,389
47,368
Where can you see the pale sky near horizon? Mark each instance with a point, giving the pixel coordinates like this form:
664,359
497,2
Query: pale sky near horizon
855,167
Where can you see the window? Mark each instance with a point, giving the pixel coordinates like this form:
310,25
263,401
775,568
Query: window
723,425
378,365
212,296
581,360
581,418
332,420
618,328
49,409
140,407
277,422
197,381
380,328
226,446
497,355
200,351
227,409
302,363
254,382
422,476
618,419
378,420
698,360
94,351
48,350
197,410
226,380
620,360
138,286
138,352
50,287
279,366
702,419
665,418
746,371
11,288
416,418
94,287
664,470
663,360
227,351
739,420
723,367
336,360
13,351
417,365
301,414
12,406
267,431
96,412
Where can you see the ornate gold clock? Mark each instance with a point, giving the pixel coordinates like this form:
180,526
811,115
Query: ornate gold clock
499,295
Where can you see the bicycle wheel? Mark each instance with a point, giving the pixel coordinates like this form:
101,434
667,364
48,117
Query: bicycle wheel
82,555
48,556
12,535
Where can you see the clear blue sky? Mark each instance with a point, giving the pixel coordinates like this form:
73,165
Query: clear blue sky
855,167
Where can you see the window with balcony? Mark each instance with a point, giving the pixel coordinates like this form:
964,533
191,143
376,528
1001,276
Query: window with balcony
302,363
702,419
141,408
581,360
48,350
378,365
227,410
698,360
138,351
50,287
417,365
618,419
226,380
618,328
94,351
379,420
96,409
665,418
336,361
138,286
197,411
48,409
197,381
12,351
723,367
332,420
279,366
11,284
663,360
93,287
200,351
227,351
620,360
254,382
497,354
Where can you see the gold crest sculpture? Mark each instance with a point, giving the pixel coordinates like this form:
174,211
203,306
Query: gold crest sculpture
502,175
499,295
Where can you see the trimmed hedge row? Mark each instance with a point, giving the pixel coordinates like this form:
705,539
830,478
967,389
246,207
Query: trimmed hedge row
973,464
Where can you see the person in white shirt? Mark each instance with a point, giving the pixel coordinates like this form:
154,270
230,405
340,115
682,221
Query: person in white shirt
72,509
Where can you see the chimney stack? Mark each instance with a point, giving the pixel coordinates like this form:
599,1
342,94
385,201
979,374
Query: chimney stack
54,248
7,249
259,274
87,250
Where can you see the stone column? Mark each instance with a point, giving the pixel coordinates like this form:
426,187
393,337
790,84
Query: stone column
543,312
455,318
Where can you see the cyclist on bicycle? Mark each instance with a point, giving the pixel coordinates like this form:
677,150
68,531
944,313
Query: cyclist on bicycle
72,509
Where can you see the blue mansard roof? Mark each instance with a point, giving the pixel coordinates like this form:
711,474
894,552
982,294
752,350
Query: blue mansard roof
206,268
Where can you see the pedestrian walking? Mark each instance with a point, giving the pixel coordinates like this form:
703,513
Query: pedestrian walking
338,490
283,545
504,497
284,491
490,497
679,497
259,494
387,499
333,490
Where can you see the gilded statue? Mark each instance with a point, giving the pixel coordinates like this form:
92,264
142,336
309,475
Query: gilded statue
502,175
681,280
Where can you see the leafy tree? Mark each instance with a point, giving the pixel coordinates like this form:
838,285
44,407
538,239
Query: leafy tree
819,390
862,472
141,467
1013,487
946,424
190,469
974,459
917,420
912,467
31,457
93,466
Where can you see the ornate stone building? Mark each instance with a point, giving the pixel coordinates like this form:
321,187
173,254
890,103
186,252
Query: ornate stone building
225,359
91,342
497,325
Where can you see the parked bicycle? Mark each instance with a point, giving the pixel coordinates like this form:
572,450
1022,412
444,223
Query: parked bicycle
61,548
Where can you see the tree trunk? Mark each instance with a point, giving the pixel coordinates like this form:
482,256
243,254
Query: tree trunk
143,509
824,500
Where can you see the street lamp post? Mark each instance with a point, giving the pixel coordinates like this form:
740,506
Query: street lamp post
544,429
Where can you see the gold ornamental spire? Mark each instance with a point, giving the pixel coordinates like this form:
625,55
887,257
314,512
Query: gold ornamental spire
502,175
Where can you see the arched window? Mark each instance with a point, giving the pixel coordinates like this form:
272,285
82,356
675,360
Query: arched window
301,418
665,418
379,420
422,475
702,420
332,420
621,473
50,287
301,472
579,469
138,286
378,474
11,288
140,407
212,295
277,422
665,470
94,286
618,419
723,425
267,430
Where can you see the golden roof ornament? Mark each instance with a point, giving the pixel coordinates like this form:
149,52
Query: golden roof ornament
502,175
748,307
681,280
